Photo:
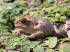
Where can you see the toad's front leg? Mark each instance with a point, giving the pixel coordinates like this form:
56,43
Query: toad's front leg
18,31
38,34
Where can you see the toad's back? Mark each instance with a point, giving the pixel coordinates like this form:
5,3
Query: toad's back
44,25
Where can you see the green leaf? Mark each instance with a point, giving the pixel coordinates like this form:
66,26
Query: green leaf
1,1
65,39
62,10
52,42
34,43
61,27
57,15
49,50
38,49
25,48
49,1
65,0
32,13
22,36
63,17
0,34
10,47
1,40
9,41
25,12
7,0
5,32
64,47
9,44
43,44
1,4
15,43
6,37
17,39
24,42
0,50
13,36
3,50
3,21
48,37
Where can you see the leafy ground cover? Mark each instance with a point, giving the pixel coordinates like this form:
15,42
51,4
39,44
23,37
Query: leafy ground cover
53,10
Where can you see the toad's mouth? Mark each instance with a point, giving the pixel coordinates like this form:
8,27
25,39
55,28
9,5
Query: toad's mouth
20,25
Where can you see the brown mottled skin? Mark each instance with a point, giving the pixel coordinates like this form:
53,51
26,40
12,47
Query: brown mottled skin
36,26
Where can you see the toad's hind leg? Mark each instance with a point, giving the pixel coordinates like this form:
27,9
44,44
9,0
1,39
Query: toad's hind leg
38,34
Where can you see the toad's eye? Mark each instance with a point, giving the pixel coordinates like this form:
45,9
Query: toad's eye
36,23
23,21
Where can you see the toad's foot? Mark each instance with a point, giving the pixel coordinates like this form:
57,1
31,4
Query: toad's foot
26,37
18,31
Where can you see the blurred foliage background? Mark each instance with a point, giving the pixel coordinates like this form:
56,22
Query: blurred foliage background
53,10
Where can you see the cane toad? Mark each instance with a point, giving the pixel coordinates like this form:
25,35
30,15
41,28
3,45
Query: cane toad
36,26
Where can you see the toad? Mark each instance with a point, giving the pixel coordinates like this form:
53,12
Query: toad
37,27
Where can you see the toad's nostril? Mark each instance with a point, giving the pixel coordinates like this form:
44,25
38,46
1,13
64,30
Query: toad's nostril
16,22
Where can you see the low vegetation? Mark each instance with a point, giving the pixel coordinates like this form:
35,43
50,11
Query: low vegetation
53,10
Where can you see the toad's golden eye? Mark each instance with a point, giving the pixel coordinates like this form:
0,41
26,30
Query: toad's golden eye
23,21
36,24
